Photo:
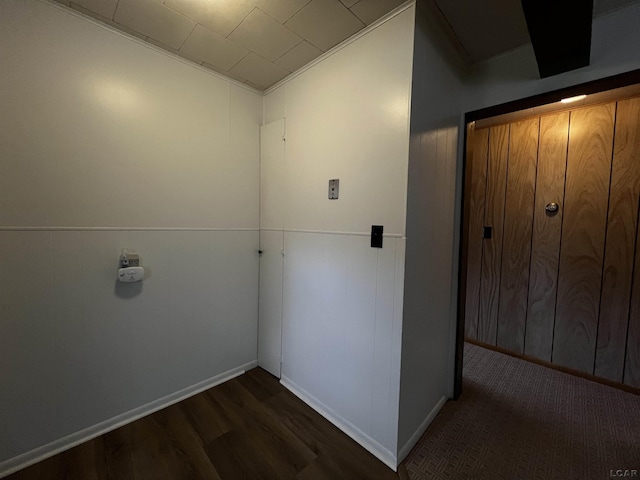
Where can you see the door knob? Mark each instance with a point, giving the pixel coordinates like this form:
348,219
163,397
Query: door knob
552,208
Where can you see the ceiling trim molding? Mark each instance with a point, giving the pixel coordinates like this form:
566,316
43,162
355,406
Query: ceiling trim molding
393,13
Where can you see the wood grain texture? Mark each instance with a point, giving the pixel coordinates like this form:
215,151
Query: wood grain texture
632,357
545,253
583,236
517,233
620,243
247,428
492,248
476,175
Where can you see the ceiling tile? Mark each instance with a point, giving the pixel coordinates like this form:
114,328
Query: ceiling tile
281,10
298,56
104,8
259,71
220,16
110,22
213,48
154,20
371,10
349,3
263,35
325,23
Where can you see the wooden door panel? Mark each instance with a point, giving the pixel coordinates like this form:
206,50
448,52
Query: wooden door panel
545,253
583,236
632,358
620,243
477,152
492,248
518,225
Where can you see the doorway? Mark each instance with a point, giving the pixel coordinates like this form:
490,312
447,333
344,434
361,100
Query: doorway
549,270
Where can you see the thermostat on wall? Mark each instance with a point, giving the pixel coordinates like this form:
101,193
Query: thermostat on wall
130,269
130,274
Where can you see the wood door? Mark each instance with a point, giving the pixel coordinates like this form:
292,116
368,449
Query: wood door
583,236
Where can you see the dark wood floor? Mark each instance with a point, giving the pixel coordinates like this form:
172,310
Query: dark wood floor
247,428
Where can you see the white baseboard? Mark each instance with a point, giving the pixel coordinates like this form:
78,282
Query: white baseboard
65,443
379,451
404,451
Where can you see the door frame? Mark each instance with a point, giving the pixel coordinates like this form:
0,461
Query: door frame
589,88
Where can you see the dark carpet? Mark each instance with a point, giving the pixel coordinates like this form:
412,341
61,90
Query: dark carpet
518,420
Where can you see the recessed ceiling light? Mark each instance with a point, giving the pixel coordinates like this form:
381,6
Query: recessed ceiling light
573,99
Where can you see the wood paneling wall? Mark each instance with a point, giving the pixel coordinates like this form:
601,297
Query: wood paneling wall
583,232
561,287
620,243
492,247
477,154
518,225
632,358
545,253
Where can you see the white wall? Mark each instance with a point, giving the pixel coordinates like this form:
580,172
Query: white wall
346,118
107,143
333,301
514,75
432,234
441,92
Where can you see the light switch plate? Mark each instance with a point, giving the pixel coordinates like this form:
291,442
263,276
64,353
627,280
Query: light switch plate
377,231
334,189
